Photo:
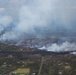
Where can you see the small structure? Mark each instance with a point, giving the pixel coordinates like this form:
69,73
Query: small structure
60,73
33,73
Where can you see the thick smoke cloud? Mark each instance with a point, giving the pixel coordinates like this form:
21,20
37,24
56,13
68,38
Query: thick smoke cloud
36,16
5,25
63,47
39,13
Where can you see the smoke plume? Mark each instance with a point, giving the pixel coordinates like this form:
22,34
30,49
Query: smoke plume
63,47
20,18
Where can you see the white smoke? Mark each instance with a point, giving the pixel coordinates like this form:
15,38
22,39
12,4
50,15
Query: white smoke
31,14
5,20
42,13
65,46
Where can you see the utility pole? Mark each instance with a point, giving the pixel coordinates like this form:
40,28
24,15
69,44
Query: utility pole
41,65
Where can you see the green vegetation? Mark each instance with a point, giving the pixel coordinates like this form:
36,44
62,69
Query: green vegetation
23,64
24,71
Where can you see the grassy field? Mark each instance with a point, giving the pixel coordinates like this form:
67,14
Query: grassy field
22,71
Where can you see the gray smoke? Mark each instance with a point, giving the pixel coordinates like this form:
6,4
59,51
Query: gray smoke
63,47
21,18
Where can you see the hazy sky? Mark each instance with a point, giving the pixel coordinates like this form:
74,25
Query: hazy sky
28,15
